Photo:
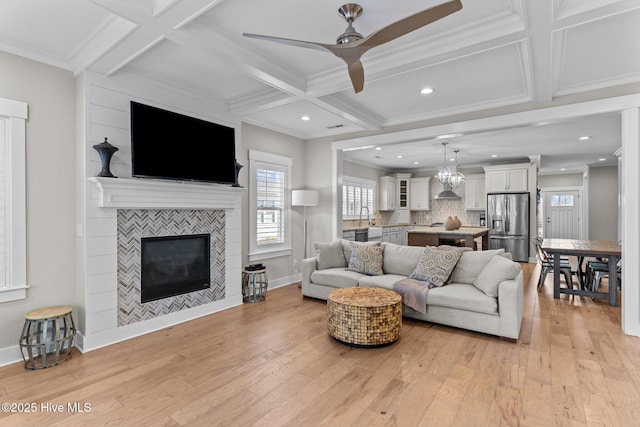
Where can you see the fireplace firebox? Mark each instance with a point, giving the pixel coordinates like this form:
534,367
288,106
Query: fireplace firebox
174,265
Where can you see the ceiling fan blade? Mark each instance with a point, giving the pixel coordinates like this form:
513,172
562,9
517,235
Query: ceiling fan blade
291,42
356,72
410,23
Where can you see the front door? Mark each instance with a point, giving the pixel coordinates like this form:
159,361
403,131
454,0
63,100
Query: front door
562,212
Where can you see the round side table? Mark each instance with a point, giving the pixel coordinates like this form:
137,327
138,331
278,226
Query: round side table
254,285
364,317
47,336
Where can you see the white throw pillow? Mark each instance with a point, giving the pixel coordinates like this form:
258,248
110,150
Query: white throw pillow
471,264
496,271
330,255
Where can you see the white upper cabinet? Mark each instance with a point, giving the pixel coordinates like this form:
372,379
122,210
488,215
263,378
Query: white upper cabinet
386,193
420,197
507,178
475,195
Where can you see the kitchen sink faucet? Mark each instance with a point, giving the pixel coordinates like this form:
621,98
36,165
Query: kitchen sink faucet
360,216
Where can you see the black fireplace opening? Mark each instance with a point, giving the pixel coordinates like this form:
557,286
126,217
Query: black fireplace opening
174,265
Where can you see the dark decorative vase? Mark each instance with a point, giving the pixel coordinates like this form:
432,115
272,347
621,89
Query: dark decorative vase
105,151
238,167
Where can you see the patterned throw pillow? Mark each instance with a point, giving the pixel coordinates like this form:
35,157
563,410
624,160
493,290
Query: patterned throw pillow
435,266
366,259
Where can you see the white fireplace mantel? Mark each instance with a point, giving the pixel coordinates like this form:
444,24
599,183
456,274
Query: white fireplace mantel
140,193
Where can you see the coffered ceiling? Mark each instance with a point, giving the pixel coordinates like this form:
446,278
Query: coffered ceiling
492,53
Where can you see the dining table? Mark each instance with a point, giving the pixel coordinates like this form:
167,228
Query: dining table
582,249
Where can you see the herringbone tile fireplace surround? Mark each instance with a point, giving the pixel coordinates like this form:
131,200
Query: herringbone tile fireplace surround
135,224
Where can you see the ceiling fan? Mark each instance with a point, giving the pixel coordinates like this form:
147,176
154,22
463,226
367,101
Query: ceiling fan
351,45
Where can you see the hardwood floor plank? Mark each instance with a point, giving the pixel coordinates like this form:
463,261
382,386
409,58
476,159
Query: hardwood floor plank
273,364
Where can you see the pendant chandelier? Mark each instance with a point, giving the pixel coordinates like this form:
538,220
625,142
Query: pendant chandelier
446,176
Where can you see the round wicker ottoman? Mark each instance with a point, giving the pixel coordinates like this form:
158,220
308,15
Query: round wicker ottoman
364,317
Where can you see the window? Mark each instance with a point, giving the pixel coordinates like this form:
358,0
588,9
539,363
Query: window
270,205
13,251
356,194
562,200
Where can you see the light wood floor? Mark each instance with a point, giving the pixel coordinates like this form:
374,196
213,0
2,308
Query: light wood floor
273,363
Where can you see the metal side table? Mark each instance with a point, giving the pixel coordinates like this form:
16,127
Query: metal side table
254,285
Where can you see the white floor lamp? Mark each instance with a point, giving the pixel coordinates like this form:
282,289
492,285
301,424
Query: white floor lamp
305,198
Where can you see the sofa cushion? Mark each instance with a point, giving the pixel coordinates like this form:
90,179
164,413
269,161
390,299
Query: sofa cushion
336,277
435,266
471,264
497,270
386,281
400,259
346,248
330,255
366,259
463,297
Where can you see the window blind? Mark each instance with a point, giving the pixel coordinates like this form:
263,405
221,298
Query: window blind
270,204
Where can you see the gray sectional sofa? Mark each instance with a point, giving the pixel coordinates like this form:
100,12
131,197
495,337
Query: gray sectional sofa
482,294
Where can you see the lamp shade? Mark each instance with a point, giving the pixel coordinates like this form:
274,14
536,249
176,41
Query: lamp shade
304,198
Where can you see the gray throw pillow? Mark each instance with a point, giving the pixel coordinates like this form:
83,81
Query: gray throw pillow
366,259
330,255
435,266
496,271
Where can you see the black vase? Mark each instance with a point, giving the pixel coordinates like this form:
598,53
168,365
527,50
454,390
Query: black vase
105,151
238,167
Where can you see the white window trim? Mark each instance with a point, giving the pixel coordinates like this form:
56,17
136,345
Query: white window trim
283,249
346,180
14,114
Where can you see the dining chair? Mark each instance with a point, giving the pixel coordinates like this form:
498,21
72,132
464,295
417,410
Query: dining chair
597,270
546,266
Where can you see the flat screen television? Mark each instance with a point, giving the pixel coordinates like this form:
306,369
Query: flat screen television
173,146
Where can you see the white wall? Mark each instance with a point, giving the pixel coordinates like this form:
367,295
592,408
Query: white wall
603,203
50,157
560,180
279,270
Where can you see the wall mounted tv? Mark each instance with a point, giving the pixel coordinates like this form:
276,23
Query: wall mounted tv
169,145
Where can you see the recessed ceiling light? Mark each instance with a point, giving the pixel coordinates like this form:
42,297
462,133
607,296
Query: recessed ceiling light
426,91
563,169
399,156
416,163
305,118
584,138
452,159
602,159
494,155
378,148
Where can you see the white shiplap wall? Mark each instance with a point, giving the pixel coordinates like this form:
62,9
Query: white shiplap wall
106,111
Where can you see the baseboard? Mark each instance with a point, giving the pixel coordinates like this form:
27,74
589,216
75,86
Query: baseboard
10,355
284,281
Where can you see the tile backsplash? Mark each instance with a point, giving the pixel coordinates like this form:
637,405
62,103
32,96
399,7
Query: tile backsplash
440,210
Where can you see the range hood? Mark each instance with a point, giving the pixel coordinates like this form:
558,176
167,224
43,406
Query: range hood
447,193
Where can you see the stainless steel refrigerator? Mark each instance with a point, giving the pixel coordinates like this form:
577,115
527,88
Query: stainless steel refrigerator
508,219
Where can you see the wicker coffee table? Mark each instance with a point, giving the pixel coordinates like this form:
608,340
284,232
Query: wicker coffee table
364,317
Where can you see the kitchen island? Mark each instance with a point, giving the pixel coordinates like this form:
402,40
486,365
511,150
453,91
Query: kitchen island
436,236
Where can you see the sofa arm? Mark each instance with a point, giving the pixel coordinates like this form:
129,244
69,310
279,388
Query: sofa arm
510,306
309,265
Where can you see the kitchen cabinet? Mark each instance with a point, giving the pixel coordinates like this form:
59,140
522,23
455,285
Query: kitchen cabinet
507,178
475,195
386,193
403,190
420,197
393,234
349,235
